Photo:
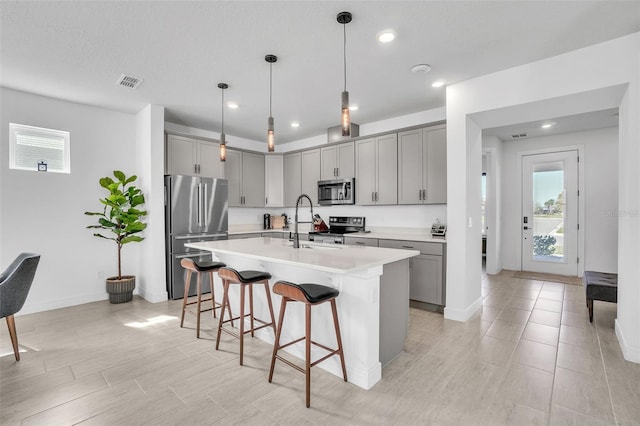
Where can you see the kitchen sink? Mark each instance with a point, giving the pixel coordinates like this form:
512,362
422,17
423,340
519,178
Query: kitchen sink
317,246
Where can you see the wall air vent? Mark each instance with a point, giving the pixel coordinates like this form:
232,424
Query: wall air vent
129,81
519,135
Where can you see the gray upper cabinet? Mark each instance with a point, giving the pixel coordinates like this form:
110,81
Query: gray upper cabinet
292,178
377,170
273,180
310,175
337,161
245,173
422,162
192,157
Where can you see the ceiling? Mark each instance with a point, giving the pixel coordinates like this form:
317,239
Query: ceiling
559,125
77,50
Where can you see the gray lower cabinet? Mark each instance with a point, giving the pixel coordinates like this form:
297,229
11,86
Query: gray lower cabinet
359,241
427,276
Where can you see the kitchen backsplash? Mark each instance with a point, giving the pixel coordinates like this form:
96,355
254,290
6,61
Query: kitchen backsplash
377,216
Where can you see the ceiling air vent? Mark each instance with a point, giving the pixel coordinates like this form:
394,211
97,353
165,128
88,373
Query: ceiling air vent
129,81
519,135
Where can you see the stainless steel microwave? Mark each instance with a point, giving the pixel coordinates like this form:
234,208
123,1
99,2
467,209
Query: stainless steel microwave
337,191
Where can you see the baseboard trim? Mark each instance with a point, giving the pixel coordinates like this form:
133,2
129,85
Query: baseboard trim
32,308
629,352
463,315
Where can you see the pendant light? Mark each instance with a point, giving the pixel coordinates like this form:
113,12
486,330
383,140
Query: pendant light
223,142
271,59
344,18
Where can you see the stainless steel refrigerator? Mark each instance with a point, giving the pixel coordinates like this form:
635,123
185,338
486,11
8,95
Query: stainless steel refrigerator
196,209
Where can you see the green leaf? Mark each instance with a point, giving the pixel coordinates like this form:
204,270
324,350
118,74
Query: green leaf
120,176
131,179
131,239
105,182
104,222
137,200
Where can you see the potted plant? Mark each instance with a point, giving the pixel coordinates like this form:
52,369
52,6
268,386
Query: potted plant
121,217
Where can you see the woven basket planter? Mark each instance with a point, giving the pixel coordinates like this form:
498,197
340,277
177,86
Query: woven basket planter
121,291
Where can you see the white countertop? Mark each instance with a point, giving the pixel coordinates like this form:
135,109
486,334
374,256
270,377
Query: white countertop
322,257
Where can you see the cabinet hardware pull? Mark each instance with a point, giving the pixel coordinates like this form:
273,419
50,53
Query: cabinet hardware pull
373,196
407,247
376,196
360,243
419,194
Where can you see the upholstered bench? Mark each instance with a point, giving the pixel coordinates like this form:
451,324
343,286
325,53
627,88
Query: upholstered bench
600,286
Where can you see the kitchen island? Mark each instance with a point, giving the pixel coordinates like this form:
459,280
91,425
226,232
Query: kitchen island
373,305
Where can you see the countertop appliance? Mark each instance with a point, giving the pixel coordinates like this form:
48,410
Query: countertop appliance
338,227
196,209
438,229
266,221
336,191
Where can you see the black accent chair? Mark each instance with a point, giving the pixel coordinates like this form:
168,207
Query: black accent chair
15,283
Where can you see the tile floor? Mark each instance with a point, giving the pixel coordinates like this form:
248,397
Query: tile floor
530,357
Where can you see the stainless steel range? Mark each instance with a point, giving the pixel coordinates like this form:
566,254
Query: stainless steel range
338,227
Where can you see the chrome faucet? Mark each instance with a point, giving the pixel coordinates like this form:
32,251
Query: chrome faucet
296,238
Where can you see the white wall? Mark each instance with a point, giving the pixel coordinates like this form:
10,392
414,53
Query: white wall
492,152
600,195
597,77
44,212
151,280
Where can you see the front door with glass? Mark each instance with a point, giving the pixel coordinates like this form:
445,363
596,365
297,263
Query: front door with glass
550,213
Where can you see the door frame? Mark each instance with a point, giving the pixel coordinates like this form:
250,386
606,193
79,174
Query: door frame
581,199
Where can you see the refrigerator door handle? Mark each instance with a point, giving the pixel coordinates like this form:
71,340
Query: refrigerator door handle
204,206
199,207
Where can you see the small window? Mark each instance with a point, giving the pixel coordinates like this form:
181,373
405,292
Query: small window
35,148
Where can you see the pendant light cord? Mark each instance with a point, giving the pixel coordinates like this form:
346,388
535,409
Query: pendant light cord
344,50
222,110
270,86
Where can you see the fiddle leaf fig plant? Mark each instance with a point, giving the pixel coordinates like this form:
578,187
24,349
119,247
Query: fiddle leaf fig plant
121,216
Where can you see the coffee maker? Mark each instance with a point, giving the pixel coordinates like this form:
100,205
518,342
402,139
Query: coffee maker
266,221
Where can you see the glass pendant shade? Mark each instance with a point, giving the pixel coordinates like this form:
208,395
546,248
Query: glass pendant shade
223,148
345,116
270,136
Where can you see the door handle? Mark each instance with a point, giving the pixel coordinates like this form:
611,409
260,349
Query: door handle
205,220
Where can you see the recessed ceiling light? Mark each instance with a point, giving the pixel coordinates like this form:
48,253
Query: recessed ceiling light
547,125
438,83
386,36
353,107
421,68
232,105
295,124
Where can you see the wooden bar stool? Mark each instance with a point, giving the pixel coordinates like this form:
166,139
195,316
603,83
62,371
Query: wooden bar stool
245,279
199,267
310,295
